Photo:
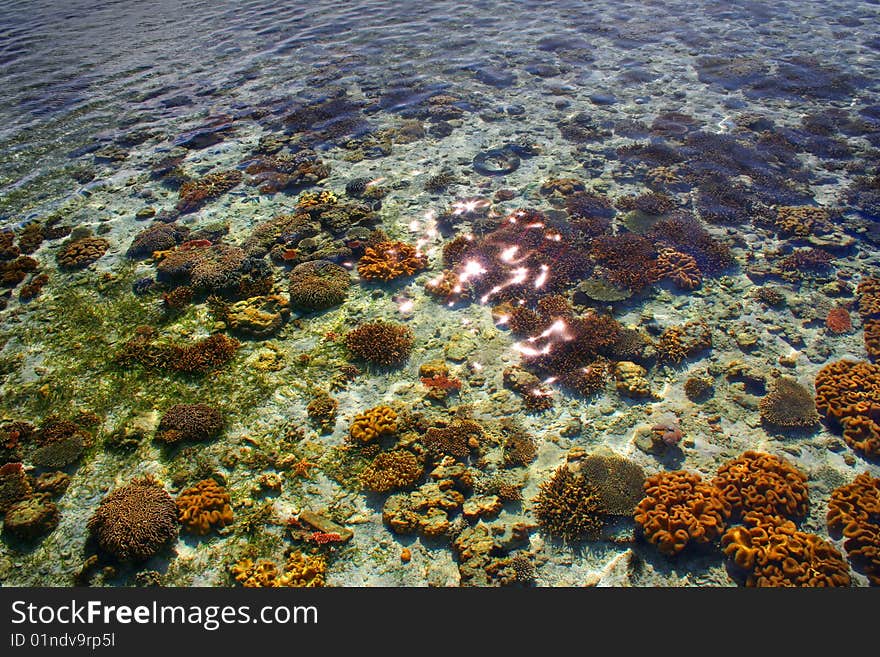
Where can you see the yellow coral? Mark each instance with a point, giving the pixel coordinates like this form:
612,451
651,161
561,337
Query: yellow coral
204,506
373,423
386,261
301,571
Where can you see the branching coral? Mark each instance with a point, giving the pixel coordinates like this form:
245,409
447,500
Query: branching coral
680,268
134,522
380,343
765,484
389,260
627,260
678,509
373,424
801,220
204,506
569,506
686,234
679,342
848,398
193,194
775,553
392,471
189,422
788,404
854,511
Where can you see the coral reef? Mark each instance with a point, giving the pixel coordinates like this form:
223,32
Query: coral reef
193,194
258,317
764,484
569,506
392,471
194,422
300,571
318,285
680,268
847,398
788,405
854,512
322,411
135,521
679,342
387,261
679,509
456,439
203,507
201,357
373,424
31,518
381,343
158,237
773,552
81,252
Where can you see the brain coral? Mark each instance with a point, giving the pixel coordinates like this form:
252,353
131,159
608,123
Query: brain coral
775,553
568,506
868,291
392,471
318,285
854,511
788,405
158,237
189,422
373,423
135,521
380,343
81,252
204,506
389,260
763,483
848,397
300,570
680,508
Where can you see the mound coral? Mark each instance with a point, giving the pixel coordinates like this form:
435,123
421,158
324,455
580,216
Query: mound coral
775,553
204,507
389,260
322,411
569,506
854,511
259,316
680,268
158,237
619,482
426,510
380,343
848,398
134,522
15,271
189,422
678,509
788,404
456,439
392,471
300,570
31,518
318,285
14,485
519,448
765,484
81,252
193,194
373,424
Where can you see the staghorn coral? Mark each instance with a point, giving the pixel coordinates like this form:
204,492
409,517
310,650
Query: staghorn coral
392,471
788,404
386,261
679,509
848,399
627,260
300,571
380,343
684,233
372,424
203,507
81,252
854,512
318,285
568,506
193,194
189,422
679,342
774,552
765,484
680,268
135,521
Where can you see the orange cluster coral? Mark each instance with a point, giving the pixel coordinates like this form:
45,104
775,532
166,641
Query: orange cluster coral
204,506
373,423
763,483
775,553
389,260
301,570
678,267
680,508
848,397
854,511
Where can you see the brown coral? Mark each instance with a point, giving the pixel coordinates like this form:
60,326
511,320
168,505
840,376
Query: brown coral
569,506
775,553
456,439
868,291
135,521
373,423
854,511
380,343
318,285
189,422
765,484
680,508
788,404
678,267
838,320
872,337
300,570
193,194
679,342
801,220
81,252
204,507
389,260
392,471
848,398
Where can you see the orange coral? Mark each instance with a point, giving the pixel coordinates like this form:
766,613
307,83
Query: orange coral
838,320
763,483
679,342
389,260
373,423
868,291
854,511
301,570
204,506
680,268
801,220
872,338
776,553
848,397
680,508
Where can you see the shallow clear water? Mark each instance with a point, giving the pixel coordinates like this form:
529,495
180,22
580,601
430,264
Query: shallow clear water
657,164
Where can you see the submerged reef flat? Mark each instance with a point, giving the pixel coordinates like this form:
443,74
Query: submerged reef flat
584,294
